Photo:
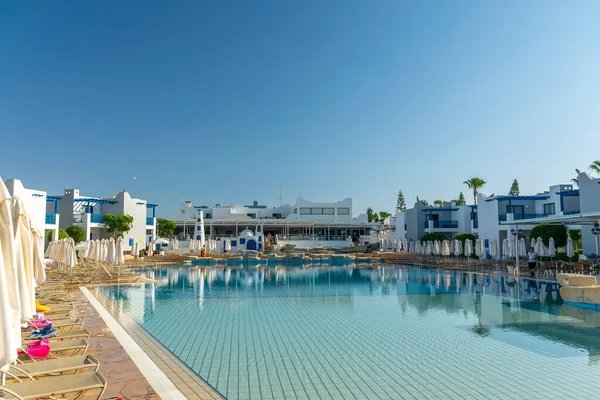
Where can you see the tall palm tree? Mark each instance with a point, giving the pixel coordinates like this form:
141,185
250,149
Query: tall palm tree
595,166
475,184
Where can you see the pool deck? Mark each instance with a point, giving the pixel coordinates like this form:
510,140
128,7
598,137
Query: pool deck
124,377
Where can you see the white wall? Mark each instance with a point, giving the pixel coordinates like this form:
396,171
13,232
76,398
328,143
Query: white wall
34,201
589,202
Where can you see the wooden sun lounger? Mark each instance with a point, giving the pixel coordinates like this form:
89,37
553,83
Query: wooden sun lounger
59,385
55,366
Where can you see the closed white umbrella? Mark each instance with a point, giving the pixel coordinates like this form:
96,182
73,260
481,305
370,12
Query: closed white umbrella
228,245
551,247
505,249
522,247
468,247
10,312
570,248
24,257
445,248
120,258
92,249
493,248
512,250
478,248
457,248
533,243
451,243
111,254
39,266
150,249
97,250
540,247
411,247
436,248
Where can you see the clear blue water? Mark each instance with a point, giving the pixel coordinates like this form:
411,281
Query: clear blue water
380,333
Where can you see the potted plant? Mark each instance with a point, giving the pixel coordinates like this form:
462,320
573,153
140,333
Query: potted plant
510,265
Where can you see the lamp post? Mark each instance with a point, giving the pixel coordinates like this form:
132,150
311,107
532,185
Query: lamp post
596,232
516,234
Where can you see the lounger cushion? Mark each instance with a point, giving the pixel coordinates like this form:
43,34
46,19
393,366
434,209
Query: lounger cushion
55,366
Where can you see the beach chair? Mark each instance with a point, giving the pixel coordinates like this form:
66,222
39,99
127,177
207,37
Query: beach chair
58,349
68,334
55,366
66,323
73,385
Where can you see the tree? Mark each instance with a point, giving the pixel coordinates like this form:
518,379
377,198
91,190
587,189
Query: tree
383,215
165,227
401,204
118,225
62,234
424,202
575,235
76,233
575,181
433,237
547,231
514,189
370,214
475,184
438,203
595,167
461,200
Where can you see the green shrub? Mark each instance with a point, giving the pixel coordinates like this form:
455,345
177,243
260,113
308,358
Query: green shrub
76,232
433,237
546,231
62,234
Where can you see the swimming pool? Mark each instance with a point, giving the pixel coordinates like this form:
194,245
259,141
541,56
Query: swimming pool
380,333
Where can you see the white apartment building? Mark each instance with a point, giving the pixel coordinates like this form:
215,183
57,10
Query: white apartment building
448,220
88,213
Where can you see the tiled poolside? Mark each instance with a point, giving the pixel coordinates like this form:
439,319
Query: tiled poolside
381,333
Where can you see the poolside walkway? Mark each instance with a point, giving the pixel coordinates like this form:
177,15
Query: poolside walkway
124,377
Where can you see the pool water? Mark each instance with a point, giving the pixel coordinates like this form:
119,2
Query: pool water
380,333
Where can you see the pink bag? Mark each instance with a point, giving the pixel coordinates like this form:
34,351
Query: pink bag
41,323
39,348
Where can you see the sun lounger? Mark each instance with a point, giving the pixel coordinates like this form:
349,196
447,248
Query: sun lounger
36,369
68,334
78,385
59,349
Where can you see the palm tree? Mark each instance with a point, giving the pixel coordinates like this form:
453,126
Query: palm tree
595,166
475,183
383,215
438,203
575,181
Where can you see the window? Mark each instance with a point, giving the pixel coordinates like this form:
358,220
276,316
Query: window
328,211
316,211
295,211
549,209
233,243
343,211
198,227
199,220
304,211
198,237
242,241
208,215
251,215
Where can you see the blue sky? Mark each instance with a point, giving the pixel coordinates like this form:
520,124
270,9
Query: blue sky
224,101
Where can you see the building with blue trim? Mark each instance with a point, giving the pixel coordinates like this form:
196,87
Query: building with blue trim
88,213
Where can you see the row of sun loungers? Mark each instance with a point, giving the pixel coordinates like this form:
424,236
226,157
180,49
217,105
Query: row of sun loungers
67,372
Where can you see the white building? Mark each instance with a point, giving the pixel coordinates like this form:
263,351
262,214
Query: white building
36,205
500,214
448,220
88,213
306,224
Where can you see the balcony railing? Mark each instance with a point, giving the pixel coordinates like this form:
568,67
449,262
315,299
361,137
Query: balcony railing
443,224
149,221
516,217
97,218
571,212
51,219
